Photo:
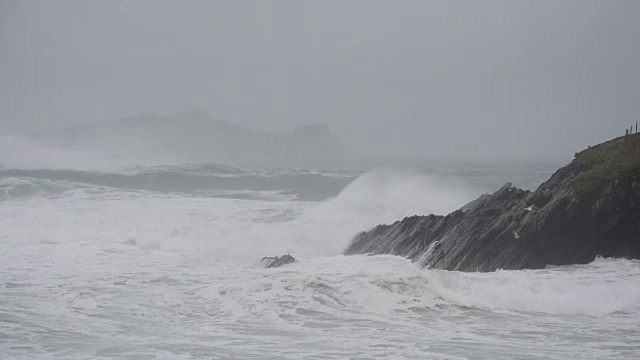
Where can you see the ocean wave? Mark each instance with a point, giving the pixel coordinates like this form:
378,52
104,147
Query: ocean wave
226,222
198,180
347,287
105,266
218,170
603,287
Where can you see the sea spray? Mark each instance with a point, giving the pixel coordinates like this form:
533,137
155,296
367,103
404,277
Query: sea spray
93,271
231,227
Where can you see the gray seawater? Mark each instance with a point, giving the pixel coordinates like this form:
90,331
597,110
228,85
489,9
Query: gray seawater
163,263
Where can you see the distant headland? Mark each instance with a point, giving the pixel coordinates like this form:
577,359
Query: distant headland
195,137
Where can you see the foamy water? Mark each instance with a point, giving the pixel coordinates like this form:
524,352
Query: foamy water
103,266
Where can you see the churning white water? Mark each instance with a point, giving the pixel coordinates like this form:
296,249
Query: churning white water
165,264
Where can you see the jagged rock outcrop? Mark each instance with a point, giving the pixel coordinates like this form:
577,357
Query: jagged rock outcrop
274,261
588,208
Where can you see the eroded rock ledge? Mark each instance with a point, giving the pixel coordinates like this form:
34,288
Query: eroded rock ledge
274,261
588,208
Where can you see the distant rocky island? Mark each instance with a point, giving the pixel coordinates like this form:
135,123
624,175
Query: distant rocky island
587,209
196,137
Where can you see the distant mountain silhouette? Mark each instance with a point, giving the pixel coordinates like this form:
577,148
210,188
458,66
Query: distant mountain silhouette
193,136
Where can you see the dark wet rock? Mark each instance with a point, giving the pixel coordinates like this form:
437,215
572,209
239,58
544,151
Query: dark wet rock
588,208
274,261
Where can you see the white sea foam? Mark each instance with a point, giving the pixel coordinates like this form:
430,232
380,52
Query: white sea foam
232,227
603,287
94,272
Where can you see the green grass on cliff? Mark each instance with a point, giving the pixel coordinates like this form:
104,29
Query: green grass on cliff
607,161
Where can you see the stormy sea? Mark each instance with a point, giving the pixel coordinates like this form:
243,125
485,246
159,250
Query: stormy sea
163,262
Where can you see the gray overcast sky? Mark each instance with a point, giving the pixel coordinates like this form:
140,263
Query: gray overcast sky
392,78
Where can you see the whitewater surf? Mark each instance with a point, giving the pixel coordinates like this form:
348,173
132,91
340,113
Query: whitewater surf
164,262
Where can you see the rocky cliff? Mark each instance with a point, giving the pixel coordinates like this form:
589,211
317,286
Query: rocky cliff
588,208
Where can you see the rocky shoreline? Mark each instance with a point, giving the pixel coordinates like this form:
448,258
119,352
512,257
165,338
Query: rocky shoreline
589,208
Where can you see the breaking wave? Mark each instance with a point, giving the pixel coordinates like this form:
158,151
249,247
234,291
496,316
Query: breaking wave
142,257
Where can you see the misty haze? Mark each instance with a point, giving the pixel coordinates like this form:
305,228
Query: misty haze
289,179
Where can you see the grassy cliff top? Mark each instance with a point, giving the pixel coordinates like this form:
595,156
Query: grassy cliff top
610,160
